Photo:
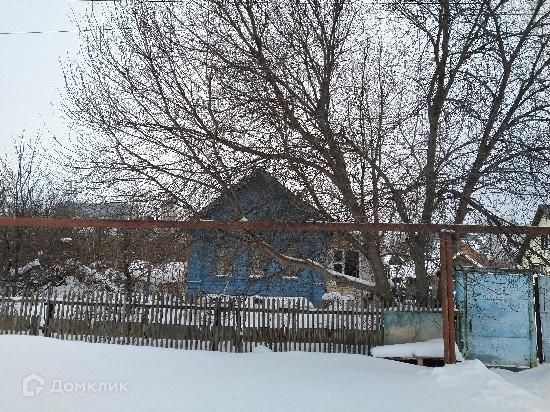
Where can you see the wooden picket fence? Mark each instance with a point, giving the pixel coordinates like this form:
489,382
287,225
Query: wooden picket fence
220,323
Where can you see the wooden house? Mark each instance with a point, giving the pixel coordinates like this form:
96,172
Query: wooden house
224,263
534,253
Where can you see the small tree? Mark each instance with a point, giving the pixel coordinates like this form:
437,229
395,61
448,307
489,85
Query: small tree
27,191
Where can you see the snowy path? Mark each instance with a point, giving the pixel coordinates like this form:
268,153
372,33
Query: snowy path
176,380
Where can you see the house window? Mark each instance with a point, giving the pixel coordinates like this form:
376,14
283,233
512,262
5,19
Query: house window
274,267
346,261
545,242
227,253
258,263
291,271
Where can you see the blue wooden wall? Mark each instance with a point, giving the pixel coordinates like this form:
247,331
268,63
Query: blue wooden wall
261,198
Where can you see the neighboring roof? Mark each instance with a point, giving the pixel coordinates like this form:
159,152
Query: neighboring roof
542,211
270,181
105,210
477,258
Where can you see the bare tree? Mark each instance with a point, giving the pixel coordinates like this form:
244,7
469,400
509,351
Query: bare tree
438,117
25,191
484,100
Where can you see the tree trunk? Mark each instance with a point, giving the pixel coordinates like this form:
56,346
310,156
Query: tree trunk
418,245
382,288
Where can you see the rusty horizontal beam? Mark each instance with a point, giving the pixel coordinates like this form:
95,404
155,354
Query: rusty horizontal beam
259,225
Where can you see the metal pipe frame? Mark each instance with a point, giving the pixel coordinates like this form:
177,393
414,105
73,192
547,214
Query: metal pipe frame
446,234
258,225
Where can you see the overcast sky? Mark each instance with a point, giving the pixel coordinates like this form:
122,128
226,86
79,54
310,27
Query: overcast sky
31,79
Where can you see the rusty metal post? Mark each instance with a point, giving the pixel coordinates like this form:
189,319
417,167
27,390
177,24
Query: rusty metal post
443,297
450,298
447,295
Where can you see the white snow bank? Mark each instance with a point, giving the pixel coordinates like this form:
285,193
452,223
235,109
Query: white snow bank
352,279
428,349
337,296
536,380
155,379
24,269
261,349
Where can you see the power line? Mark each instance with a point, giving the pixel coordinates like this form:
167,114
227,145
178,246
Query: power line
103,28
368,2
38,32
127,1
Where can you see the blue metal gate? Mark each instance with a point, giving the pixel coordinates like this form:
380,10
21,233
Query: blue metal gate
496,317
544,311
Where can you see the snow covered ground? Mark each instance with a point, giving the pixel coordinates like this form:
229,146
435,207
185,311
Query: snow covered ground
76,376
428,349
536,380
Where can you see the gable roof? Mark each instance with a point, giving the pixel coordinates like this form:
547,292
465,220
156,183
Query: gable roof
105,210
268,181
481,260
542,211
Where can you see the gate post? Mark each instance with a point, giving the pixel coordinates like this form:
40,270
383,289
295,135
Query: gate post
540,353
447,295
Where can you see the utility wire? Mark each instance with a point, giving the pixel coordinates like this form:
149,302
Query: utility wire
52,31
366,3
37,32
372,12
379,17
